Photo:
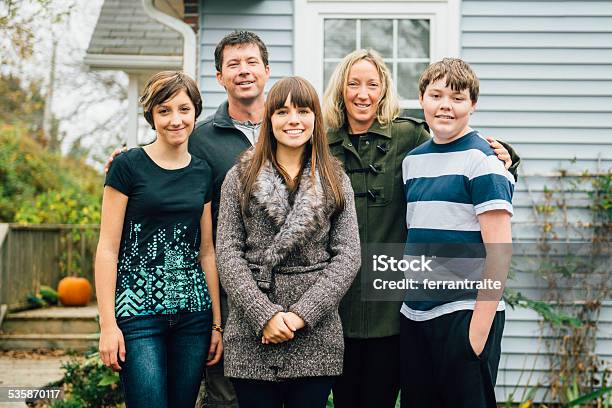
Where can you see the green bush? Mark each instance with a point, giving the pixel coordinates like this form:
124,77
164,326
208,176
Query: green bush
24,170
90,384
37,186
67,206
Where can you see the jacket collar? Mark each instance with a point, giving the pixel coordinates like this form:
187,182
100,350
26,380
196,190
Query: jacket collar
380,130
335,136
222,117
294,224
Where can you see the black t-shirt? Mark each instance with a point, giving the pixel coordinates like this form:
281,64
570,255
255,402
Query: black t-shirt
158,270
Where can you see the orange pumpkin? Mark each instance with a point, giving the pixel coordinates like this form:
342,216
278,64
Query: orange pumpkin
74,291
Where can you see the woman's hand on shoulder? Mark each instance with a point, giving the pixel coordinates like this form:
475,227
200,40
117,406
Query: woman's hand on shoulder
502,153
112,347
215,350
276,330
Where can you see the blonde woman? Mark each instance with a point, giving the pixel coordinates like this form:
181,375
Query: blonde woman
368,136
156,278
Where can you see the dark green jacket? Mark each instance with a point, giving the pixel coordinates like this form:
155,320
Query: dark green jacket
375,170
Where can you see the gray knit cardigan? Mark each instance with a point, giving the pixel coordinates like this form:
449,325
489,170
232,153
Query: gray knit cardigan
279,257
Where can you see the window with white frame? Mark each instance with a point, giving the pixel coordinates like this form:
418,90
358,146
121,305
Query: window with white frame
403,43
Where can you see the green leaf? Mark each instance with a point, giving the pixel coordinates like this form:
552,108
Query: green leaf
544,309
109,378
590,396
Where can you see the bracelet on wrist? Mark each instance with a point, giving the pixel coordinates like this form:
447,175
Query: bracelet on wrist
217,327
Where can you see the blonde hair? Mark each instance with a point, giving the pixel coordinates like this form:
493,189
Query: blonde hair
458,74
334,110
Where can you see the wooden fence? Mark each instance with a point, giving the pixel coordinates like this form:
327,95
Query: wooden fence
34,255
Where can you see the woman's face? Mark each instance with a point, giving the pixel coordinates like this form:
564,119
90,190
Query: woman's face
292,126
362,95
174,118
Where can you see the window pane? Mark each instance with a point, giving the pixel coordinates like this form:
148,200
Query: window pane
389,65
340,37
413,38
378,34
408,74
328,69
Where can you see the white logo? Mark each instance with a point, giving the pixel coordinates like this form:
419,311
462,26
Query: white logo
383,263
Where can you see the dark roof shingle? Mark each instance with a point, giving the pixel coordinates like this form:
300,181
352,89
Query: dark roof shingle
123,27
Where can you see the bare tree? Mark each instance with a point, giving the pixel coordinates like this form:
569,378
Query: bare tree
18,22
85,111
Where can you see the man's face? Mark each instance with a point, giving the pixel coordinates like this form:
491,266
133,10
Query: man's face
243,73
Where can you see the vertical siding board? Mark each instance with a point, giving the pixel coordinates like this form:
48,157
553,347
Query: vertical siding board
4,264
272,20
545,70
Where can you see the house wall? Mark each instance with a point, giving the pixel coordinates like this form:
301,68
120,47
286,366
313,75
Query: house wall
546,71
272,20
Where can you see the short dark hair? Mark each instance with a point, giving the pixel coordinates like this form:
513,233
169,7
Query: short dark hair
239,38
163,86
458,73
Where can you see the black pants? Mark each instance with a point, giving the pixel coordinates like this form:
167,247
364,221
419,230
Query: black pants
309,392
371,373
439,367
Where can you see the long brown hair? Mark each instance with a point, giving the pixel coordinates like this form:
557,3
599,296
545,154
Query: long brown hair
303,95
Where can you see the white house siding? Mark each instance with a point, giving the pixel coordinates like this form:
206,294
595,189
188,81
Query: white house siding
546,87
272,20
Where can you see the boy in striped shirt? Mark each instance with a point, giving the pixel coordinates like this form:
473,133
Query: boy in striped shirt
458,195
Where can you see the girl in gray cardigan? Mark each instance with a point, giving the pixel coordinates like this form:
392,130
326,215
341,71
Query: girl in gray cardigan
287,251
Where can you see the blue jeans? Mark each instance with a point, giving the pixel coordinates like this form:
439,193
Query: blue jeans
165,358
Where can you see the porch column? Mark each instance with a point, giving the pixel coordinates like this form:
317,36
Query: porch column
132,127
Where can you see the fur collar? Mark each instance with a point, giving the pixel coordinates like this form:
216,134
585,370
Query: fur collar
293,224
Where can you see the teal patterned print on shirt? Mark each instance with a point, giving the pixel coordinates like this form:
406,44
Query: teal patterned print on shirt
158,271
164,277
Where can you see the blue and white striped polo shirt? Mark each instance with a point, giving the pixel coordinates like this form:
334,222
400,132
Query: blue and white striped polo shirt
446,187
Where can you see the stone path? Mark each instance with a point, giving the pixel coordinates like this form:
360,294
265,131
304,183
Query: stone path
35,369
29,369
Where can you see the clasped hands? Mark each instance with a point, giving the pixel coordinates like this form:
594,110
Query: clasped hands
281,327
